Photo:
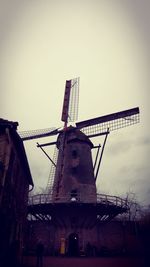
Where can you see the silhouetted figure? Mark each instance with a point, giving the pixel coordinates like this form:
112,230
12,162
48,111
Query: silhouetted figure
88,250
13,254
39,254
73,249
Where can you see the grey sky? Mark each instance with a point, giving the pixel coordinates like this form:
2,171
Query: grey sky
106,44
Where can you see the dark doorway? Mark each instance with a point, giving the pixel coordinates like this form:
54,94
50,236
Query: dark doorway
73,245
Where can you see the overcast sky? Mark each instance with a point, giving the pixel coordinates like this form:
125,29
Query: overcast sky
106,44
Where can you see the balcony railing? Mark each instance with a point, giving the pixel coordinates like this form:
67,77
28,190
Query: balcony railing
99,198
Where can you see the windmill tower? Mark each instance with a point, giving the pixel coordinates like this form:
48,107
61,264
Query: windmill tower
72,202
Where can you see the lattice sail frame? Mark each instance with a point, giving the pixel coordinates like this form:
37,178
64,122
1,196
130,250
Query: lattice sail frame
112,122
50,183
74,100
33,134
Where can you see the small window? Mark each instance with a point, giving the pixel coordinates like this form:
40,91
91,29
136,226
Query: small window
74,154
1,168
1,165
74,170
74,193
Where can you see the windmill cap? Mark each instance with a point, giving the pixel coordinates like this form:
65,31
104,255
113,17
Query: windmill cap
75,135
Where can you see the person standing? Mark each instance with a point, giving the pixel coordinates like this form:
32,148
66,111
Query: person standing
39,254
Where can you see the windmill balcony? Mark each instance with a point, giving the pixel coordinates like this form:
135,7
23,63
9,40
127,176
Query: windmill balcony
102,199
61,211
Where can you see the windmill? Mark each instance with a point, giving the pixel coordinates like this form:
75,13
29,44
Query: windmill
72,210
73,174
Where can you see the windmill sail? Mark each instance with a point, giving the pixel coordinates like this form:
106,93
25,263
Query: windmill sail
71,98
114,121
29,135
74,100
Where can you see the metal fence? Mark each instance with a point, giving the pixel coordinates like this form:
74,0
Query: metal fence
100,198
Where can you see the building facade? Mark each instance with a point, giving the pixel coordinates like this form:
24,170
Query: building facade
15,180
74,227
104,239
